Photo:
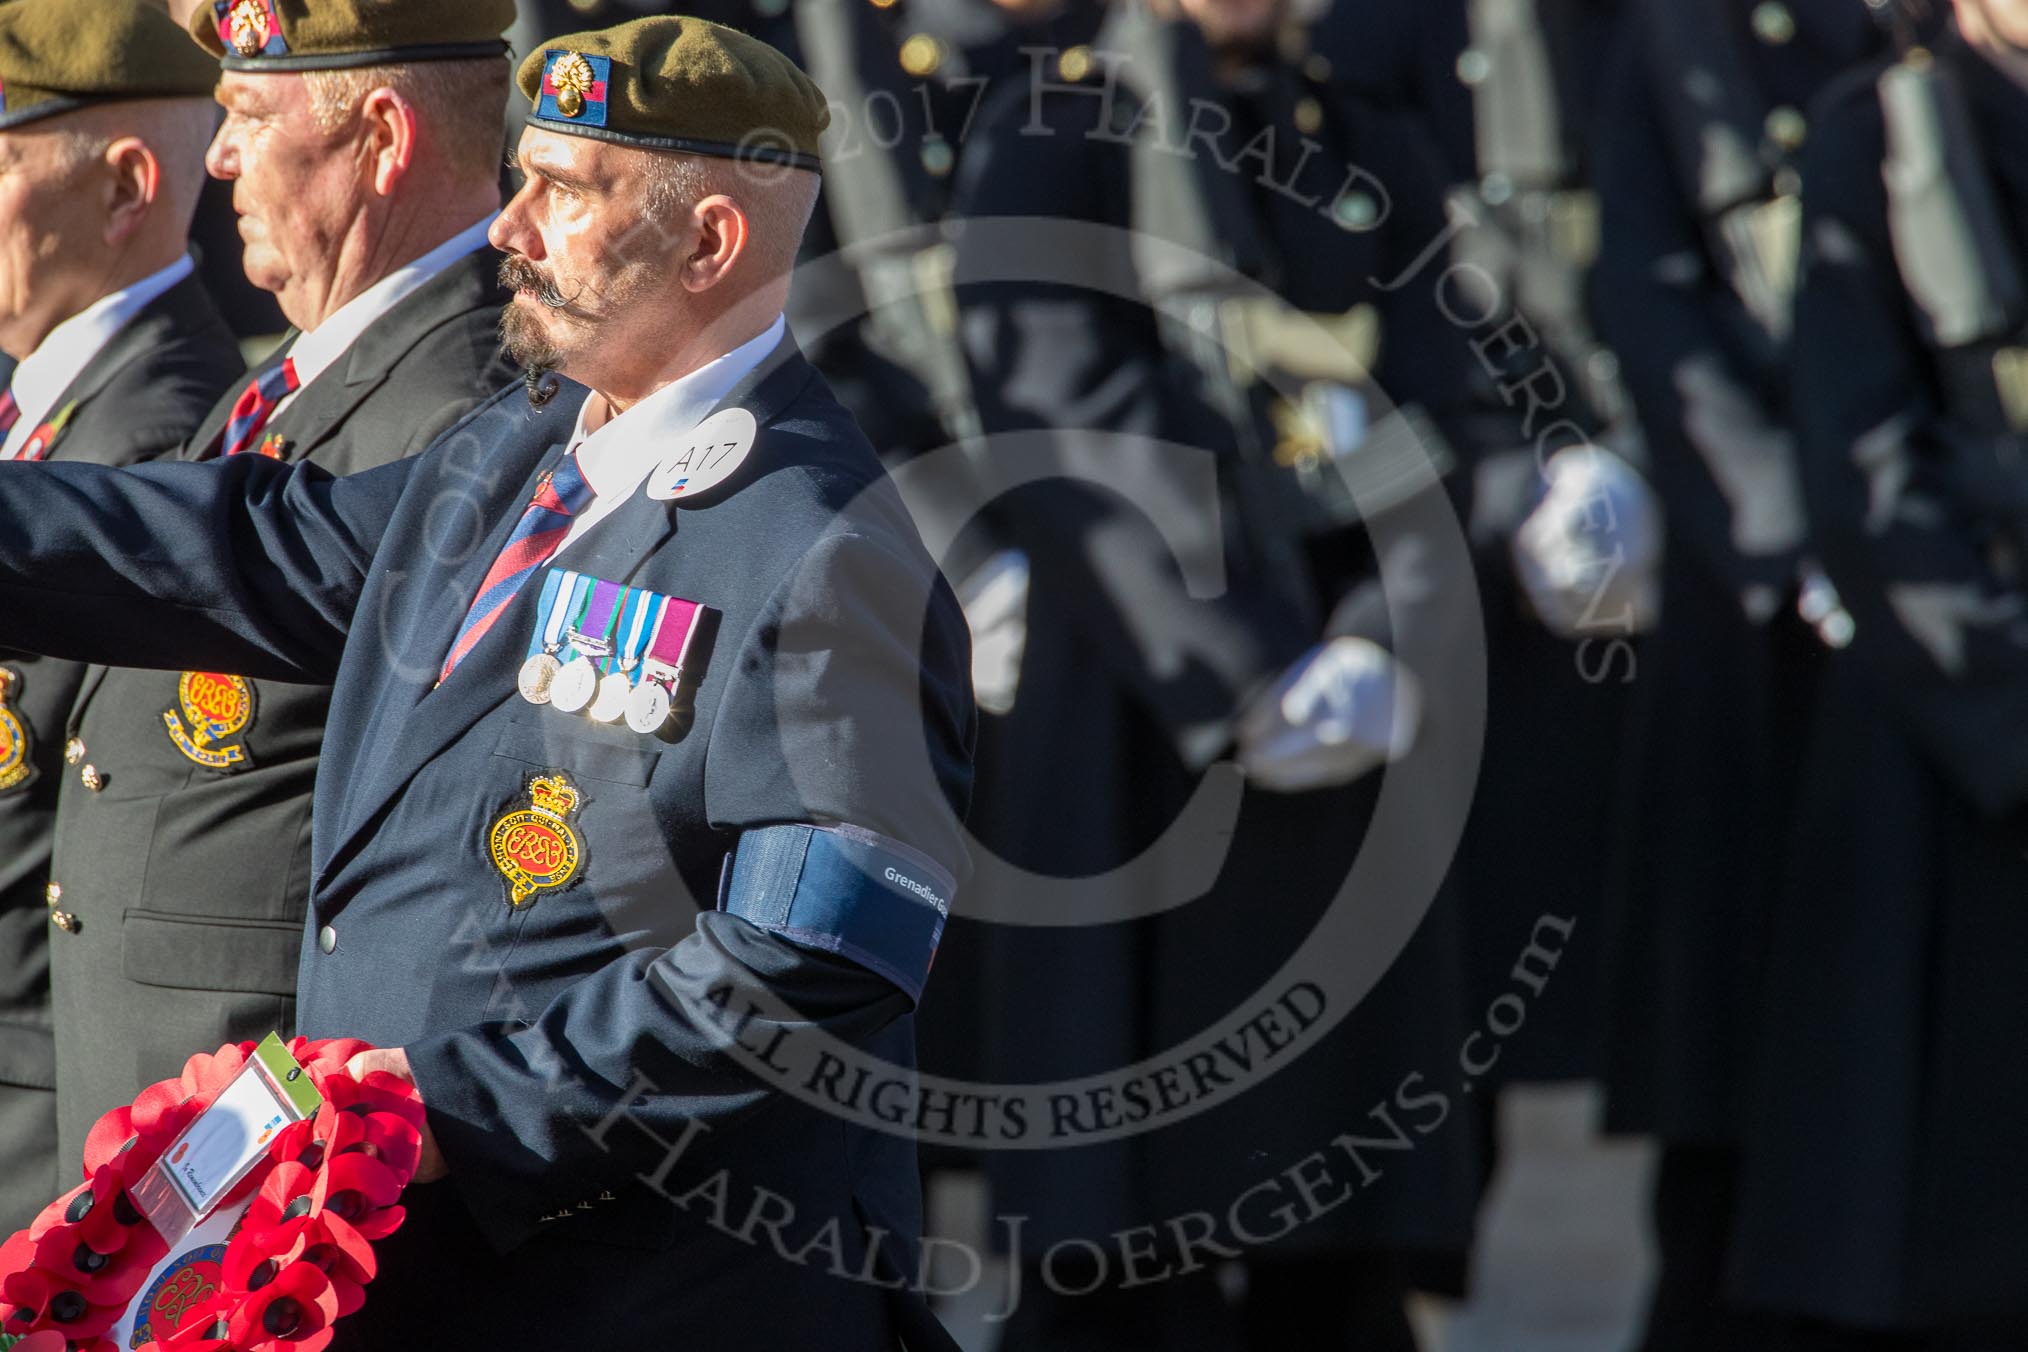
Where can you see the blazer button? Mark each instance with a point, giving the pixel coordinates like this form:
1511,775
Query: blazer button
53,893
64,921
73,751
327,939
93,780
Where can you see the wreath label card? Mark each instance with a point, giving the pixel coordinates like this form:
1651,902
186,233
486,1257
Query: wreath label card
211,1155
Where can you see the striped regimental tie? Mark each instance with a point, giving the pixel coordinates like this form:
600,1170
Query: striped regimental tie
256,404
560,495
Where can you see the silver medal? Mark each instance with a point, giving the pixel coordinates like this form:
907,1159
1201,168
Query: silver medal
538,674
575,685
611,701
648,708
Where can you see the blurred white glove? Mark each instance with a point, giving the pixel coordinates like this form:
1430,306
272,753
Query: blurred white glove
995,598
1344,709
1589,556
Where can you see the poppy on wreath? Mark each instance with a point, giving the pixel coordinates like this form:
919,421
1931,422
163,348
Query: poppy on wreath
324,1190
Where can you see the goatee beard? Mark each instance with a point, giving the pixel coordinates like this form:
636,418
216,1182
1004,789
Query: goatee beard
524,341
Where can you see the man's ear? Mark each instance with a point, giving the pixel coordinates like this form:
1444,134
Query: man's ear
722,232
134,179
391,133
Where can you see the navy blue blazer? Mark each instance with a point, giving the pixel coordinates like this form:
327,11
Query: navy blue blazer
835,687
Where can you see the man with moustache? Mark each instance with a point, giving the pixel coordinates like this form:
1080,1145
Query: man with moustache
361,138
602,655
103,125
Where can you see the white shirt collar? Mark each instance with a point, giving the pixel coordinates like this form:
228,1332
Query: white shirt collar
316,351
618,457
71,346
620,454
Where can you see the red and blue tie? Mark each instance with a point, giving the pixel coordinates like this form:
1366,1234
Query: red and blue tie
561,495
257,404
10,412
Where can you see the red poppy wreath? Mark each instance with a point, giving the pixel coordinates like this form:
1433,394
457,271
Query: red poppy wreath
286,1254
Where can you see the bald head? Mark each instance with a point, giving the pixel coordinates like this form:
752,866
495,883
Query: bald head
92,201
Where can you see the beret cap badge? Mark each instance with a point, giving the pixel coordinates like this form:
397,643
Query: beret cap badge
572,75
248,23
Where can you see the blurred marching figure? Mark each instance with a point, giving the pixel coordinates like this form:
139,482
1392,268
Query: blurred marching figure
1109,328
1564,526
1699,184
873,307
1882,1203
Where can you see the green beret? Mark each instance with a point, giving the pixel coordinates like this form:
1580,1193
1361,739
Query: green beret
56,55
286,35
677,83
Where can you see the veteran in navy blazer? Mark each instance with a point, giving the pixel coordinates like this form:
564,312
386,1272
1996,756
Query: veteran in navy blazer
611,940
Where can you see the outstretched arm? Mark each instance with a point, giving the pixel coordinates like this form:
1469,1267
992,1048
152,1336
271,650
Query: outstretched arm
243,565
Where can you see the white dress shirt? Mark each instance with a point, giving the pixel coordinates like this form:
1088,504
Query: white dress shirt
618,457
71,346
318,350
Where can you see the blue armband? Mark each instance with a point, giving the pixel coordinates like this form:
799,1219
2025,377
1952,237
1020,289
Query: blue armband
844,890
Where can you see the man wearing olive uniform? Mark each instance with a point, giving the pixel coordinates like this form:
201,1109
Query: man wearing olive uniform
364,165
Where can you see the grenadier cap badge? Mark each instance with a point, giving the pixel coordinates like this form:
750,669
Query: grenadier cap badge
250,27
535,848
574,87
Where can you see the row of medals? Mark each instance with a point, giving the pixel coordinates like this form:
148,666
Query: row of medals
576,685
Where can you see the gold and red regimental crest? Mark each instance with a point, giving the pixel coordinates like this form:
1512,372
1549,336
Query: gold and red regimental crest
211,707
16,765
573,77
249,26
188,1282
535,847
